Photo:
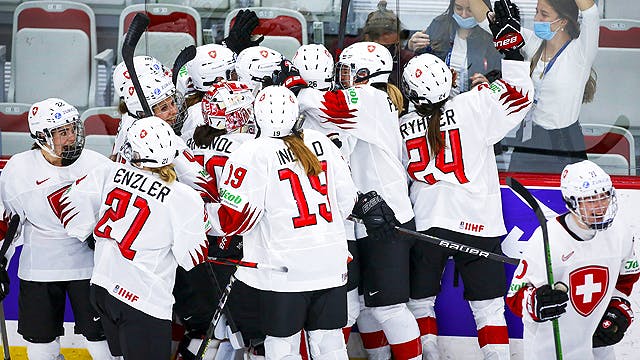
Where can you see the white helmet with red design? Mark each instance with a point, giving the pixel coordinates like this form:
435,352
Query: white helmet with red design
426,80
363,61
150,143
155,88
315,64
144,65
276,111
227,105
51,116
212,63
589,194
255,63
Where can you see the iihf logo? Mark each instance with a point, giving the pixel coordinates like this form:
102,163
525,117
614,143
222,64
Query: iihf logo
115,289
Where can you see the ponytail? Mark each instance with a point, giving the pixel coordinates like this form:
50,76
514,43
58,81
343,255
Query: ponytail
166,173
308,160
434,114
394,94
203,135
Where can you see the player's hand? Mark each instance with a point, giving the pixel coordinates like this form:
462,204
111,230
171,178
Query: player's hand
4,279
91,242
477,79
419,40
504,23
289,76
614,323
545,303
377,216
240,33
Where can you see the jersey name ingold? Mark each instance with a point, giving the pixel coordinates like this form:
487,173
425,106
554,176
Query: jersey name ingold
141,182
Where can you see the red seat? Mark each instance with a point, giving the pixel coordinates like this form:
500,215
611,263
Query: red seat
619,33
101,121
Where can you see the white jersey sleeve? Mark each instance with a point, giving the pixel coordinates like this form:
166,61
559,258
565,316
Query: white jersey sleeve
191,173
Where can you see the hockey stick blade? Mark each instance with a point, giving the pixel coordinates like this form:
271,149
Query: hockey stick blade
248,264
542,220
136,29
452,245
187,54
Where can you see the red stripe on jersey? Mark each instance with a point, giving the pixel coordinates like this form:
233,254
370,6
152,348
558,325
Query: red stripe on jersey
515,302
513,99
337,110
407,350
209,187
427,325
625,283
374,340
493,335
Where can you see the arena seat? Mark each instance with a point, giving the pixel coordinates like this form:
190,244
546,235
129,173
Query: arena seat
172,28
53,43
611,147
619,33
284,30
102,144
200,5
101,120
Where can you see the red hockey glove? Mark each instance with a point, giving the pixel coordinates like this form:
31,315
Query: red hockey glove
614,323
505,27
240,33
377,216
289,76
545,303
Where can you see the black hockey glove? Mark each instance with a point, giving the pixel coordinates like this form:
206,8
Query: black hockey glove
545,303
289,76
614,323
377,216
91,242
240,33
505,27
4,279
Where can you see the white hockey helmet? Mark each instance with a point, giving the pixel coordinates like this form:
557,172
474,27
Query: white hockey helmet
150,142
144,65
426,80
155,88
227,105
589,194
256,62
363,61
55,115
315,64
212,62
276,111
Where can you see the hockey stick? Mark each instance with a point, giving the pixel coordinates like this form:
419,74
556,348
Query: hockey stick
12,228
542,220
136,29
5,338
216,318
451,245
253,265
342,27
187,54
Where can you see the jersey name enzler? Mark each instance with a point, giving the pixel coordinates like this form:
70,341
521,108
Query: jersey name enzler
35,190
142,183
458,189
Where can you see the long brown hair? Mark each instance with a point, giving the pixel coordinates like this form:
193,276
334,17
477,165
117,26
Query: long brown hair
394,94
308,160
433,113
203,135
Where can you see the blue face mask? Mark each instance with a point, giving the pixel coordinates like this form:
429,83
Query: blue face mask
465,23
543,29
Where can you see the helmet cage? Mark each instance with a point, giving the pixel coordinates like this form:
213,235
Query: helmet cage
44,139
228,105
596,211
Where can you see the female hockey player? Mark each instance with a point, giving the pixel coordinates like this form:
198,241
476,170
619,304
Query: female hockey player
448,154
145,224
593,257
53,265
288,192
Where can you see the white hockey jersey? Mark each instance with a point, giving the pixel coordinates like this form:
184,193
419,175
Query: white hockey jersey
34,189
368,115
286,217
144,228
459,189
187,168
192,121
594,270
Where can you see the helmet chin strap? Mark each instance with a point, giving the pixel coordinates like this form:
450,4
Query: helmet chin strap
48,150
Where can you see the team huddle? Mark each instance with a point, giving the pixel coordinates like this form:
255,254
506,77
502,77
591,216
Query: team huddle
256,209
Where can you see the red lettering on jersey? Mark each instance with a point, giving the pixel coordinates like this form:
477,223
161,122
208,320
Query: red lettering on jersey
59,203
524,269
335,106
588,286
125,294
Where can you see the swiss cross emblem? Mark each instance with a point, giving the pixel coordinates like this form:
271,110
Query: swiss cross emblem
262,97
126,74
418,73
291,99
143,133
371,48
213,54
34,110
131,90
264,53
588,286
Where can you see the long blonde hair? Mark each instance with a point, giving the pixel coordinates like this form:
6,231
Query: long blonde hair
307,159
166,173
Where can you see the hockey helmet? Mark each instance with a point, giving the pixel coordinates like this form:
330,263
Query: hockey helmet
315,64
276,112
53,119
150,143
363,61
227,105
426,80
212,62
